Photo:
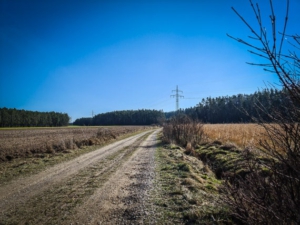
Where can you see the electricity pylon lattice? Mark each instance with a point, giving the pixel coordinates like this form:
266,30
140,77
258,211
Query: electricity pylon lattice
177,96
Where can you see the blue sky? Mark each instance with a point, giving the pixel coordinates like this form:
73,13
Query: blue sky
82,56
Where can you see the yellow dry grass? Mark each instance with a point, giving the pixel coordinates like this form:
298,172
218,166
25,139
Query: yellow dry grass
242,135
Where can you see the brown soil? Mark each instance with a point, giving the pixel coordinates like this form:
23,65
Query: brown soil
106,186
19,143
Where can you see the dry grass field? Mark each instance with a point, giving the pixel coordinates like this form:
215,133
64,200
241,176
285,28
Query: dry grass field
242,135
16,143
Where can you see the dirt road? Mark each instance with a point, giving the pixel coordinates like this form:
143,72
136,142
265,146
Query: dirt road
106,186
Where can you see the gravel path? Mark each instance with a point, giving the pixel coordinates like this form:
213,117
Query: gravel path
19,190
124,198
119,176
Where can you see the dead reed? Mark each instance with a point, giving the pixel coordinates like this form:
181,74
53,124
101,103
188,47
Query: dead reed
243,135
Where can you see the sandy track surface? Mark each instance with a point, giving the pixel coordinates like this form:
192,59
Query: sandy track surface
109,186
19,190
124,197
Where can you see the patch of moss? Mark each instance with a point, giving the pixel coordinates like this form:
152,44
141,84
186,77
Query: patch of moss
211,187
204,176
221,159
183,167
167,167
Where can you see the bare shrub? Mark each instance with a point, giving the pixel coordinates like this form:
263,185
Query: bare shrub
104,134
59,146
69,143
183,130
270,192
94,141
81,143
49,148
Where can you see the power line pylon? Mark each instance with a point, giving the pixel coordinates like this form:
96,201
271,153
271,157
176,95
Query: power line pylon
177,96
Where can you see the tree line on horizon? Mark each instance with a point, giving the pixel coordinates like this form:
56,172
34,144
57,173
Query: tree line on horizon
25,118
241,108
123,117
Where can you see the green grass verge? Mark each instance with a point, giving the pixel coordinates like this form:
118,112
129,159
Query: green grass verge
185,190
228,160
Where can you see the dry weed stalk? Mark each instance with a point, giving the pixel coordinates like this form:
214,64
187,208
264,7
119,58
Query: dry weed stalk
183,130
26,142
270,193
243,135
